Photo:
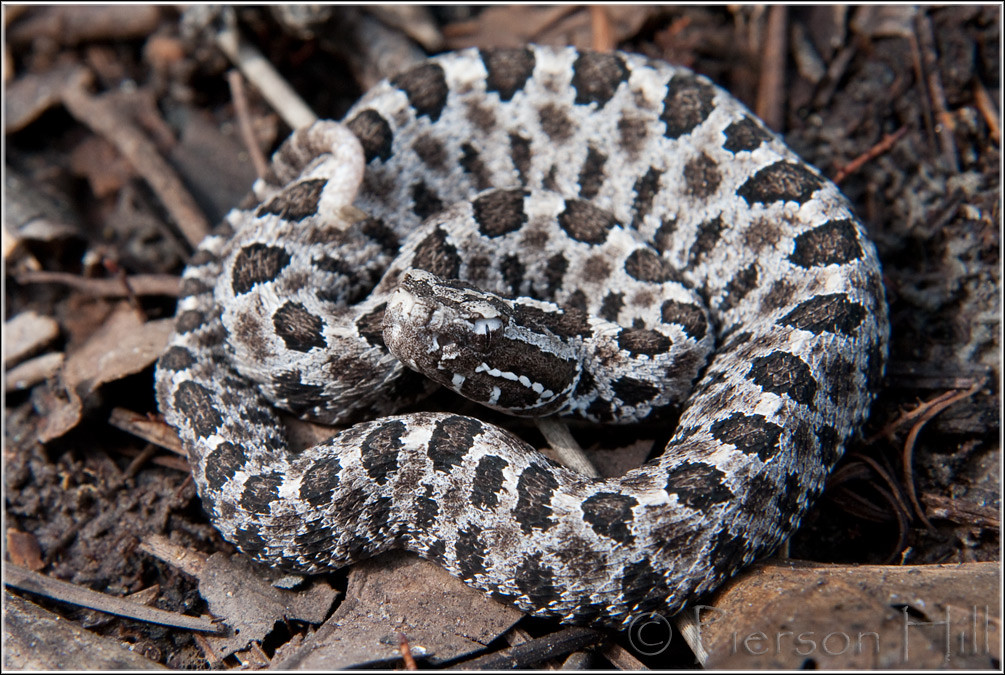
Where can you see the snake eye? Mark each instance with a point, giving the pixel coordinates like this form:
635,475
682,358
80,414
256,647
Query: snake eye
482,332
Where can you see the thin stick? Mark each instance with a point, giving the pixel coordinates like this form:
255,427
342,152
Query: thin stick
33,582
102,116
406,652
600,29
277,91
151,430
875,151
912,437
140,284
240,98
770,100
120,274
936,94
565,446
918,411
987,109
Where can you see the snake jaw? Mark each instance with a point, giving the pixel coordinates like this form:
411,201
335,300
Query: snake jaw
472,341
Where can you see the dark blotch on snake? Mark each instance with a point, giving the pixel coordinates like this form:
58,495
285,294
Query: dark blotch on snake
751,434
783,373
508,70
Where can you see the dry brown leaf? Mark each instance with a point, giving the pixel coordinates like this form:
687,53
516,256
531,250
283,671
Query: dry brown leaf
105,170
516,25
795,614
216,166
243,595
71,25
619,461
23,549
26,375
31,95
397,593
25,334
122,346
59,411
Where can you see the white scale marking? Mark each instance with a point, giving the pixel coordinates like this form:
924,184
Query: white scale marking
537,387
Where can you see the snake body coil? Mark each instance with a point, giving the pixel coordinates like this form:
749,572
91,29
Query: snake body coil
676,253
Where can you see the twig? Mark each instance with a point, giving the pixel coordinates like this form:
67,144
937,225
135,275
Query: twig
621,658
919,76
208,650
569,453
140,460
120,274
102,116
987,109
912,436
167,461
872,153
154,431
770,100
548,19
240,98
140,284
600,29
535,651
406,652
270,84
929,60
33,582
888,430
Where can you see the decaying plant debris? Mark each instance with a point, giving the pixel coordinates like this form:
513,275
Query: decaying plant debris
131,131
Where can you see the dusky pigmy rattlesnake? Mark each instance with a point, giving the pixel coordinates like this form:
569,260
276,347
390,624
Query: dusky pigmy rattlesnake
667,237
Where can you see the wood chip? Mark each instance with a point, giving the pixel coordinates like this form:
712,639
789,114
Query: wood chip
122,346
25,334
37,639
23,549
442,618
26,375
27,97
795,614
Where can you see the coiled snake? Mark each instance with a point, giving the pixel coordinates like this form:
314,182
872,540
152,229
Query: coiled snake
674,253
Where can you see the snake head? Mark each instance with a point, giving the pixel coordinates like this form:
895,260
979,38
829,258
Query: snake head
480,345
